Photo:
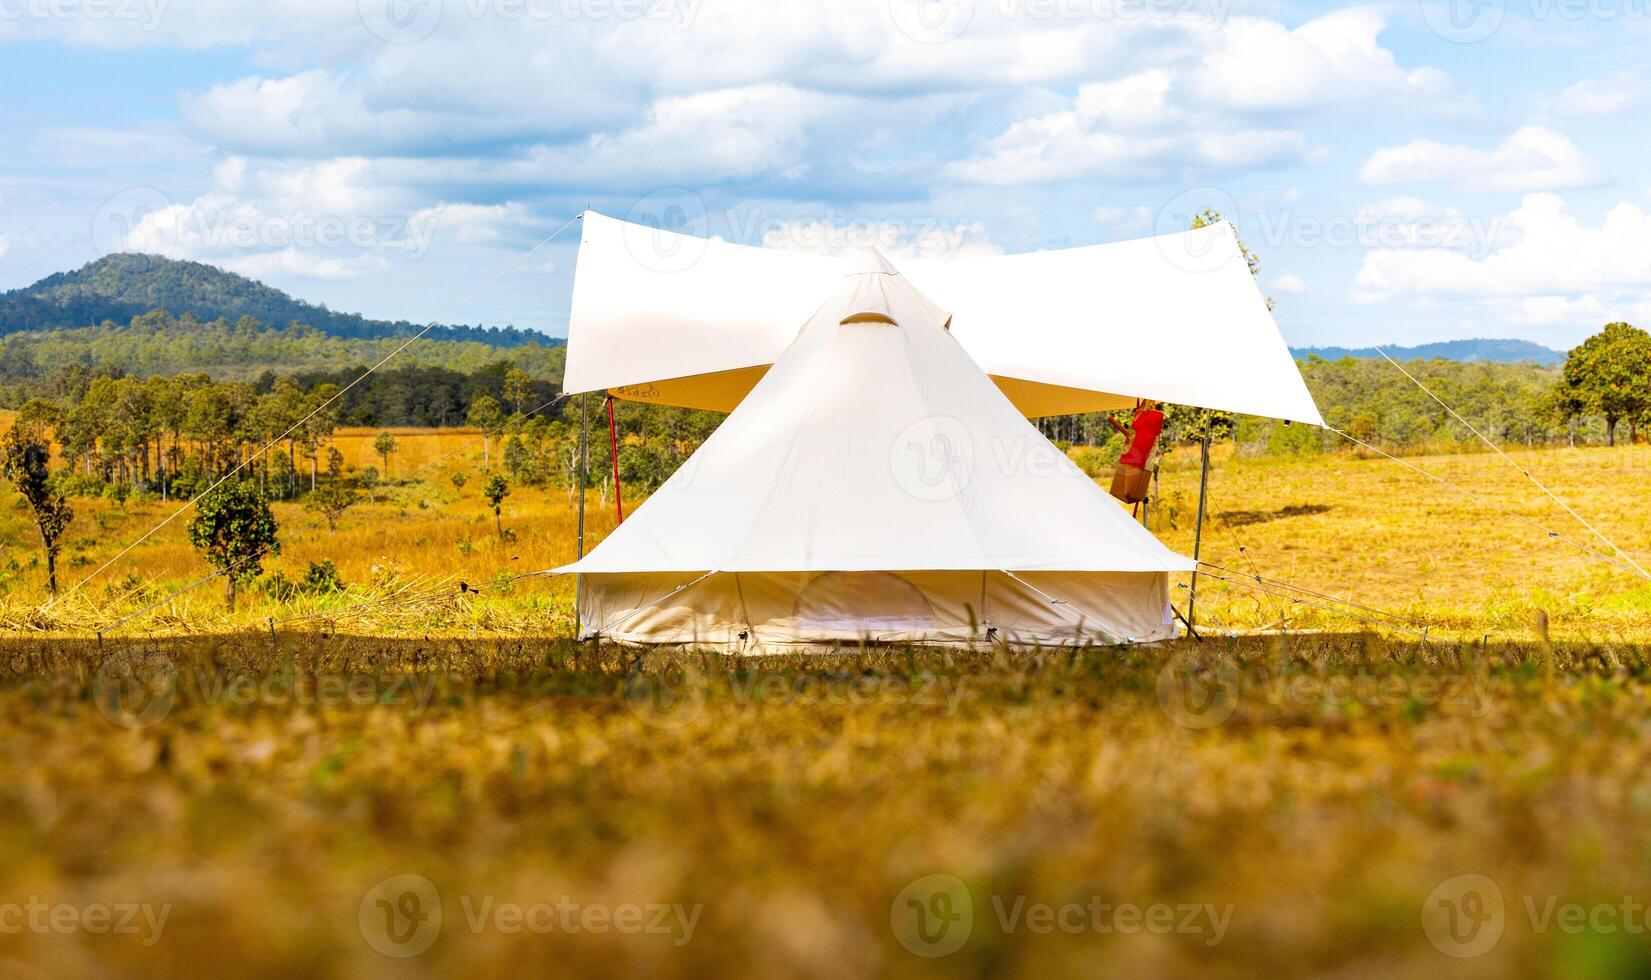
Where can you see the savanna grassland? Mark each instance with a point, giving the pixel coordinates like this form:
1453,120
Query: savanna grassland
451,786
1460,561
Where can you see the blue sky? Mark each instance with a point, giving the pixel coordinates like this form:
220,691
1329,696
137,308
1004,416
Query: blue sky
1406,171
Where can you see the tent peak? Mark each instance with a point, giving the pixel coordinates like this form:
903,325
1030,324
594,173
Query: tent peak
870,261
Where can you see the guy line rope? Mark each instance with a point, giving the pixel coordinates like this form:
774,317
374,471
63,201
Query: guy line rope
296,425
1243,549
1633,569
1624,561
1280,584
1264,589
1512,462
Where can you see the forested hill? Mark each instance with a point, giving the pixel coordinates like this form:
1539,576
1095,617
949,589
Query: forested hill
117,288
1505,351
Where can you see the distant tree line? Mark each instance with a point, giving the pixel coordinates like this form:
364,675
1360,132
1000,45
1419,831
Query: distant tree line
407,396
172,436
157,342
1601,393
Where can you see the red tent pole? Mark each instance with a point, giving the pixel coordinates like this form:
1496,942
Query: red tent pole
613,442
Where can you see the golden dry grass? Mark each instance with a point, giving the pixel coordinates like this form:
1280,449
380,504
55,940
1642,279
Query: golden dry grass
1371,530
1322,793
1365,529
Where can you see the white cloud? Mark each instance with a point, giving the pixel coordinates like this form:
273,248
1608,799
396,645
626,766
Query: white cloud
1288,283
552,72
1134,220
142,145
1606,96
292,262
1547,311
4,245
473,224
701,138
1140,101
1062,146
1555,270
332,219
1533,158
531,85
1333,60
1199,112
320,113
331,113
301,114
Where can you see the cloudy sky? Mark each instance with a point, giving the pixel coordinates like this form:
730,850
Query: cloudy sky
1406,172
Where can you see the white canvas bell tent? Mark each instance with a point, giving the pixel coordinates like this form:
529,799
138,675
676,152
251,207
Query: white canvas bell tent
873,482
875,485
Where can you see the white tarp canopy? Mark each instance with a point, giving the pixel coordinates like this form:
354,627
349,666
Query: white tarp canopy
673,319
876,483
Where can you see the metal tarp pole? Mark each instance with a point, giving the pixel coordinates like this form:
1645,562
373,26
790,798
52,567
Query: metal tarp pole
1198,527
579,580
613,449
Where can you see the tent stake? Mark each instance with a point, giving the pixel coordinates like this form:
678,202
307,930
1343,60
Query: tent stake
1198,526
579,580
1190,631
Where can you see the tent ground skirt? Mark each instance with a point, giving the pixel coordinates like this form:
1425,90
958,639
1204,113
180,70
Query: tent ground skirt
777,612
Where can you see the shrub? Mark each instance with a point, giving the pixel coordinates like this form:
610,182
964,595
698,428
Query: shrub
321,578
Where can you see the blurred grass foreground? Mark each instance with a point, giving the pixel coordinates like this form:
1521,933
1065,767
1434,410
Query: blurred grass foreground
329,805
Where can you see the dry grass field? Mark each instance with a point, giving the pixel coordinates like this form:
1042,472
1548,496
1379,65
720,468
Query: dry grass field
1365,529
453,787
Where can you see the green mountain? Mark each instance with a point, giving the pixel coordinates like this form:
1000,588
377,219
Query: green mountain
117,288
1504,351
